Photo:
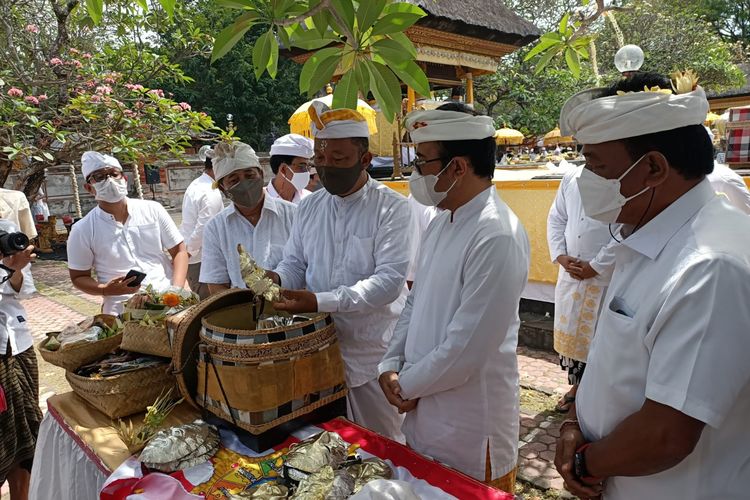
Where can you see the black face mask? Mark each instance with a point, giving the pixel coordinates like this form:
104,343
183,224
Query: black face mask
338,181
246,193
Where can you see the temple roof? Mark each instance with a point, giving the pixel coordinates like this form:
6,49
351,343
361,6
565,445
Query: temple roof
485,19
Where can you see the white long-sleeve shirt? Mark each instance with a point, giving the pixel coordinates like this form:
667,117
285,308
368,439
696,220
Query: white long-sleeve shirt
14,326
570,232
455,343
200,204
353,253
727,182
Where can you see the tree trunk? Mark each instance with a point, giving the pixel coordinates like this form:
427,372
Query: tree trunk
33,180
6,167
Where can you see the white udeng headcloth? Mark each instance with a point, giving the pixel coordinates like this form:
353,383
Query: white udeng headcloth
230,157
593,119
437,125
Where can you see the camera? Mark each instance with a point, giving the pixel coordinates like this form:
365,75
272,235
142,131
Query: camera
11,243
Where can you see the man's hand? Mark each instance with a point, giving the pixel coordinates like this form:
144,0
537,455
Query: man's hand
570,440
297,301
565,261
21,259
120,286
582,270
273,277
392,389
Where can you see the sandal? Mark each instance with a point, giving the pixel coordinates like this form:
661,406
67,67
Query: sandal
563,406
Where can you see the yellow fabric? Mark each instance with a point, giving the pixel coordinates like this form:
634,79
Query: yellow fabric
381,143
96,431
531,201
299,122
507,483
234,472
577,306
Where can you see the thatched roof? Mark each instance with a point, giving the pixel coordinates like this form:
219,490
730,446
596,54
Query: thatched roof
485,19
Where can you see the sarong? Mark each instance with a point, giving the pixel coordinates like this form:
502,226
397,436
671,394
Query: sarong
19,424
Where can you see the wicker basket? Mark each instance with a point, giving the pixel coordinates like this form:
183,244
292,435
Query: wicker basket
72,357
260,379
122,395
152,340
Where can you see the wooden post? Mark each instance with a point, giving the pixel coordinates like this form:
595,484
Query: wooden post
411,99
469,89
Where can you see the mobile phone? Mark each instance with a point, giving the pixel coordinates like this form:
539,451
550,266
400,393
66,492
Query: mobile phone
139,277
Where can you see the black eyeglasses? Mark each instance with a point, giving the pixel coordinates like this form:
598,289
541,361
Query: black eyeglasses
103,176
418,164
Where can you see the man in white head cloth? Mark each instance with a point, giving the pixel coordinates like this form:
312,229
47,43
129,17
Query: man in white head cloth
200,203
662,409
451,364
290,157
259,222
119,235
350,248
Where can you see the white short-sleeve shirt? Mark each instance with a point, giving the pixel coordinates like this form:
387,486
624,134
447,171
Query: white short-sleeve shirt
112,249
265,242
675,329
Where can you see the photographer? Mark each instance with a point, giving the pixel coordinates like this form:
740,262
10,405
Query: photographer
20,415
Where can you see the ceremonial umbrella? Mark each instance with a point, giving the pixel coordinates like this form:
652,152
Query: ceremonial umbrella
299,123
508,137
554,137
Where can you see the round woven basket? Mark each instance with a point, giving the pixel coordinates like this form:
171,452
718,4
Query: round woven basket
152,340
260,379
72,357
122,395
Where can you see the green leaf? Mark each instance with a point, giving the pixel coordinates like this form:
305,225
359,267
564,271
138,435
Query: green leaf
168,6
309,39
405,8
232,34
368,12
95,9
283,34
273,64
345,10
318,69
345,95
545,59
143,4
404,41
362,76
540,47
411,74
235,4
391,50
322,20
573,62
262,53
551,36
385,87
394,23
564,23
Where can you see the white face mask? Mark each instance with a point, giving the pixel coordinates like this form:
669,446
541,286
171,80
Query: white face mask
601,198
110,190
299,180
422,188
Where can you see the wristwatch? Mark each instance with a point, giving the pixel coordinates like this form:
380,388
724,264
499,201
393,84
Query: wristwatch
579,467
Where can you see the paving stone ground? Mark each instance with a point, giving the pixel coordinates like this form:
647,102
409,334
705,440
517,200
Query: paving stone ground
58,303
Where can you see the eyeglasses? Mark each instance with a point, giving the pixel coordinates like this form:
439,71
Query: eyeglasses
418,164
103,176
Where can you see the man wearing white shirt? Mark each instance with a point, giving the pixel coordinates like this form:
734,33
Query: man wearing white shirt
662,409
256,220
350,247
20,415
730,185
584,250
290,155
200,204
122,234
451,364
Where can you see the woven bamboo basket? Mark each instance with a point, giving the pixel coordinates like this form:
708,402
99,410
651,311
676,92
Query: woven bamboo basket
122,395
152,340
260,379
72,357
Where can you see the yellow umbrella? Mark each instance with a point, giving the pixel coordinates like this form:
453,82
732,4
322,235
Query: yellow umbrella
711,117
508,137
299,123
554,137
